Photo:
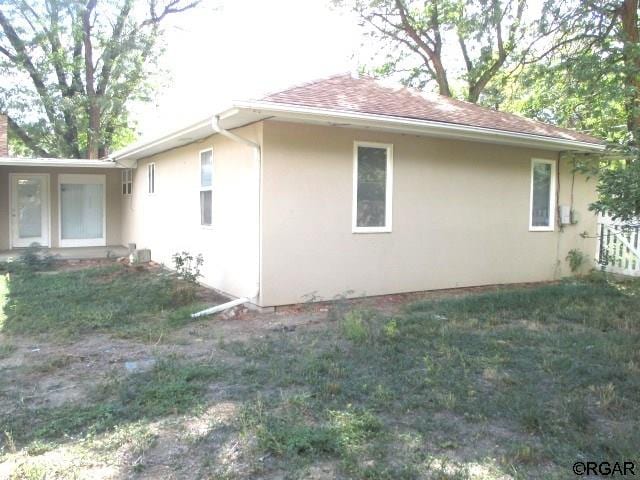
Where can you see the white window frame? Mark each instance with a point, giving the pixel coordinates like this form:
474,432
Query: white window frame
205,189
552,200
387,227
82,179
127,183
151,178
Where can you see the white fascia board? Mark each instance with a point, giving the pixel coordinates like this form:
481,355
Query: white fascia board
56,162
418,127
137,149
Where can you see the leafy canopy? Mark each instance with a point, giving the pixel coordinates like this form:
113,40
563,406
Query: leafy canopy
71,69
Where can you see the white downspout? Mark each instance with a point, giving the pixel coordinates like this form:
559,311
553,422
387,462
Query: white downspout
258,158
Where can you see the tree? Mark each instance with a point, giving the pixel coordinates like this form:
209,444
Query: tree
72,67
590,80
488,35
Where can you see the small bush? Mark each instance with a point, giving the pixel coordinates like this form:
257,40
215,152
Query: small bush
34,259
187,266
576,259
355,325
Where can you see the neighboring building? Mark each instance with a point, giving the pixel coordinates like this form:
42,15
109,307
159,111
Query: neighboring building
343,185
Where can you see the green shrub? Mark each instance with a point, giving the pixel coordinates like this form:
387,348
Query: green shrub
187,266
576,259
33,259
355,325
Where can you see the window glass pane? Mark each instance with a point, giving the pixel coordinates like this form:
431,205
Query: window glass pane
124,188
206,168
81,211
29,208
152,178
541,207
129,188
205,207
371,193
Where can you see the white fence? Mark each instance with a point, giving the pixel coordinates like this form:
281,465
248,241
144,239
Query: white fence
618,246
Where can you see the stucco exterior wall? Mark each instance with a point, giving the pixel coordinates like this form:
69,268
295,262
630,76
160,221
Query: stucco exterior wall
168,221
460,216
113,186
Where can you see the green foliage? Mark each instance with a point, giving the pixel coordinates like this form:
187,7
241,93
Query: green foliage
34,258
576,259
171,387
486,39
619,190
355,325
286,433
112,299
71,69
187,266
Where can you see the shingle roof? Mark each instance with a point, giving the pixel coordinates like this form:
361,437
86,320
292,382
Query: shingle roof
367,95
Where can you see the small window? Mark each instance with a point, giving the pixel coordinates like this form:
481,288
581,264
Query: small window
372,187
543,193
206,187
127,181
151,177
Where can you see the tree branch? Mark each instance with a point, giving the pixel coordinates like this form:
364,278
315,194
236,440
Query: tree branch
30,143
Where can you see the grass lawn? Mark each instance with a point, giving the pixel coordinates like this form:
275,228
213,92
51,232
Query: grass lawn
515,383
114,299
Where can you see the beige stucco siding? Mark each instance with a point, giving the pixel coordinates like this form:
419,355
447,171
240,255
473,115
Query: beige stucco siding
168,221
113,186
460,216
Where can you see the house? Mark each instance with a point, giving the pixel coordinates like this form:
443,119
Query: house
339,186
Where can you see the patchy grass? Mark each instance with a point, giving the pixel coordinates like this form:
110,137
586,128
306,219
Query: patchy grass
525,380
171,387
114,299
519,383
6,349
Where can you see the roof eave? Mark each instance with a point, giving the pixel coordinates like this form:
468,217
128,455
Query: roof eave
418,127
260,110
56,162
128,155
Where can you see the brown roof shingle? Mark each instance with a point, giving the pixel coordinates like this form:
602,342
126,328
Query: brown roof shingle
367,95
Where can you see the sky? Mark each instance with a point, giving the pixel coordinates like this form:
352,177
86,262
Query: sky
226,50
241,49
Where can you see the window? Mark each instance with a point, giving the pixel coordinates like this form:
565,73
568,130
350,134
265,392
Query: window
372,187
127,181
543,194
151,177
81,210
206,187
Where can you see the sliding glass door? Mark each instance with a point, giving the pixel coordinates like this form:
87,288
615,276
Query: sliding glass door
82,210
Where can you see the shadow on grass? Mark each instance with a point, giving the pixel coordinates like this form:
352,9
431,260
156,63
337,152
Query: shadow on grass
171,387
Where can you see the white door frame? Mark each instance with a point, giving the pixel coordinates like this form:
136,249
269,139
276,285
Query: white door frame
46,221
83,179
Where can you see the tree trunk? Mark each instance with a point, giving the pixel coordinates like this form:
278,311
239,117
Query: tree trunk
441,76
629,18
92,101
